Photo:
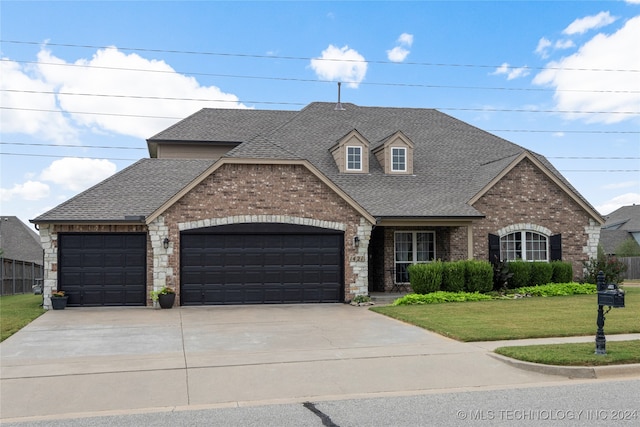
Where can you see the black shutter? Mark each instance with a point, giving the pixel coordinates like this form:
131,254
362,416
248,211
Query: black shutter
555,247
494,249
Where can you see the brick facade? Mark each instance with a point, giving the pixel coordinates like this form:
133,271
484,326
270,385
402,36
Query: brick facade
237,193
525,195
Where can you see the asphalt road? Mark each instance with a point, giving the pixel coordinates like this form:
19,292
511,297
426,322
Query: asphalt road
583,403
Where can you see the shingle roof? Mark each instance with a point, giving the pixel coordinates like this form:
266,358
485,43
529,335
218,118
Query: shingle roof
18,241
453,160
625,218
137,190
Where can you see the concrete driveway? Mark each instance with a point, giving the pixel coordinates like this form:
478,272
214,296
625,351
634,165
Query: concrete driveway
90,360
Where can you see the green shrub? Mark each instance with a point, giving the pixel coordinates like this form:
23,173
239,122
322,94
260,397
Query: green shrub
478,276
440,297
425,278
609,265
521,271
562,272
541,273
453,276
558,289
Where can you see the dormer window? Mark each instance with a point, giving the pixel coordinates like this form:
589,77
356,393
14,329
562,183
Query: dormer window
398,159
351,153
354,158
395,154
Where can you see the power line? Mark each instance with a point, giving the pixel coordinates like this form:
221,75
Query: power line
28,144
238,76
70,145
493,110
304,58
123,159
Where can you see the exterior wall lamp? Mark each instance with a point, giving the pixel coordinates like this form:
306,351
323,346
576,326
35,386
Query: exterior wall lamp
165,243
356,241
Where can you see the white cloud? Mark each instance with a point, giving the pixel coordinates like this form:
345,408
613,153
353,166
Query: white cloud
406,39
543,47
30,190
24,92
108,72
400,52
580,90
582,25
564,44
342,64
633,1
397,54
617,202
625,184
78,174
511,72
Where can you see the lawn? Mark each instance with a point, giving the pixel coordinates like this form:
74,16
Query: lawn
535,317
575,354
17,311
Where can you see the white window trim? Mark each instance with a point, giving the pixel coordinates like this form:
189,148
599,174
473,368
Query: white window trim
414,245
346,157
523,241
404,151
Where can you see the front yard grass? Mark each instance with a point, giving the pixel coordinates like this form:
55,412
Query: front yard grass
17,311
575,354
535,317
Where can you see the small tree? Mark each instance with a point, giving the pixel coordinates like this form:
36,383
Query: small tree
609,265
629,247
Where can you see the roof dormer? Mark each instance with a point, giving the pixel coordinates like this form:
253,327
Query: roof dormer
351,153
395,154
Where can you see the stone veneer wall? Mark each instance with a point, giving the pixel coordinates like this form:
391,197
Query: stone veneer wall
49,241
526,196
237,193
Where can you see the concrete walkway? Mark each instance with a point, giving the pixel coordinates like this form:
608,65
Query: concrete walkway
88,361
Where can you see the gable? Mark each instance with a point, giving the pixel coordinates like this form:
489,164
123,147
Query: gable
351,153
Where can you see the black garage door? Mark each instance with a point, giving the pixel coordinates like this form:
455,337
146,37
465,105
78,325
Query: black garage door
103,269
261,264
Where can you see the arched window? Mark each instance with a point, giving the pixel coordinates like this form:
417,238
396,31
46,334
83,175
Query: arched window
524,245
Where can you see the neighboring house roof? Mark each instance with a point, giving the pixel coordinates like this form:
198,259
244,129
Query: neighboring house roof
453,161
18,241
625,218
619,226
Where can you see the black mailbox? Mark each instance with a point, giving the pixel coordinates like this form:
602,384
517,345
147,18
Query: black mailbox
612,296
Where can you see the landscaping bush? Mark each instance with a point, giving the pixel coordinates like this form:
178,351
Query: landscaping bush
501,276
541,273
478,276
558,289
425,278
562,272
440,297
609,265
521,271
453,276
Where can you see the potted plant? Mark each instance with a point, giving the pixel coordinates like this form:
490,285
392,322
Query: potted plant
58,300
165,296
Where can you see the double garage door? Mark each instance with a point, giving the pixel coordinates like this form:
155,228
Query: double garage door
103,269
261,264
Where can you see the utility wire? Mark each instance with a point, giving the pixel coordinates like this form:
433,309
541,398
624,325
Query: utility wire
113,158
238,76
304,58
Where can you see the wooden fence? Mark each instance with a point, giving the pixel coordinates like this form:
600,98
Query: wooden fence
633,267
18,277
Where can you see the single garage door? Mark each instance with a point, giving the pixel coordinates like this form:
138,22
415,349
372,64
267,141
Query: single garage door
103,269
261,264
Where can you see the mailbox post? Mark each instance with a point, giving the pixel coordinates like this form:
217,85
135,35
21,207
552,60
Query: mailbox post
611,296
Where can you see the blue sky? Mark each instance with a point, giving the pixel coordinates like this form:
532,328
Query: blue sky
83,84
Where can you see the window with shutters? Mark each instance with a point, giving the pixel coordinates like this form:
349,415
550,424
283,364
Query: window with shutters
524,245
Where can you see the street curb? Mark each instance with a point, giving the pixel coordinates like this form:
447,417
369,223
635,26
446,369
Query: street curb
588,372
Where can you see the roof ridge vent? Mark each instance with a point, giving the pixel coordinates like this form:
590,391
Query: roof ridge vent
339,106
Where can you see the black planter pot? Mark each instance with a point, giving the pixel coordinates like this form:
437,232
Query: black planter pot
166,300
59,303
